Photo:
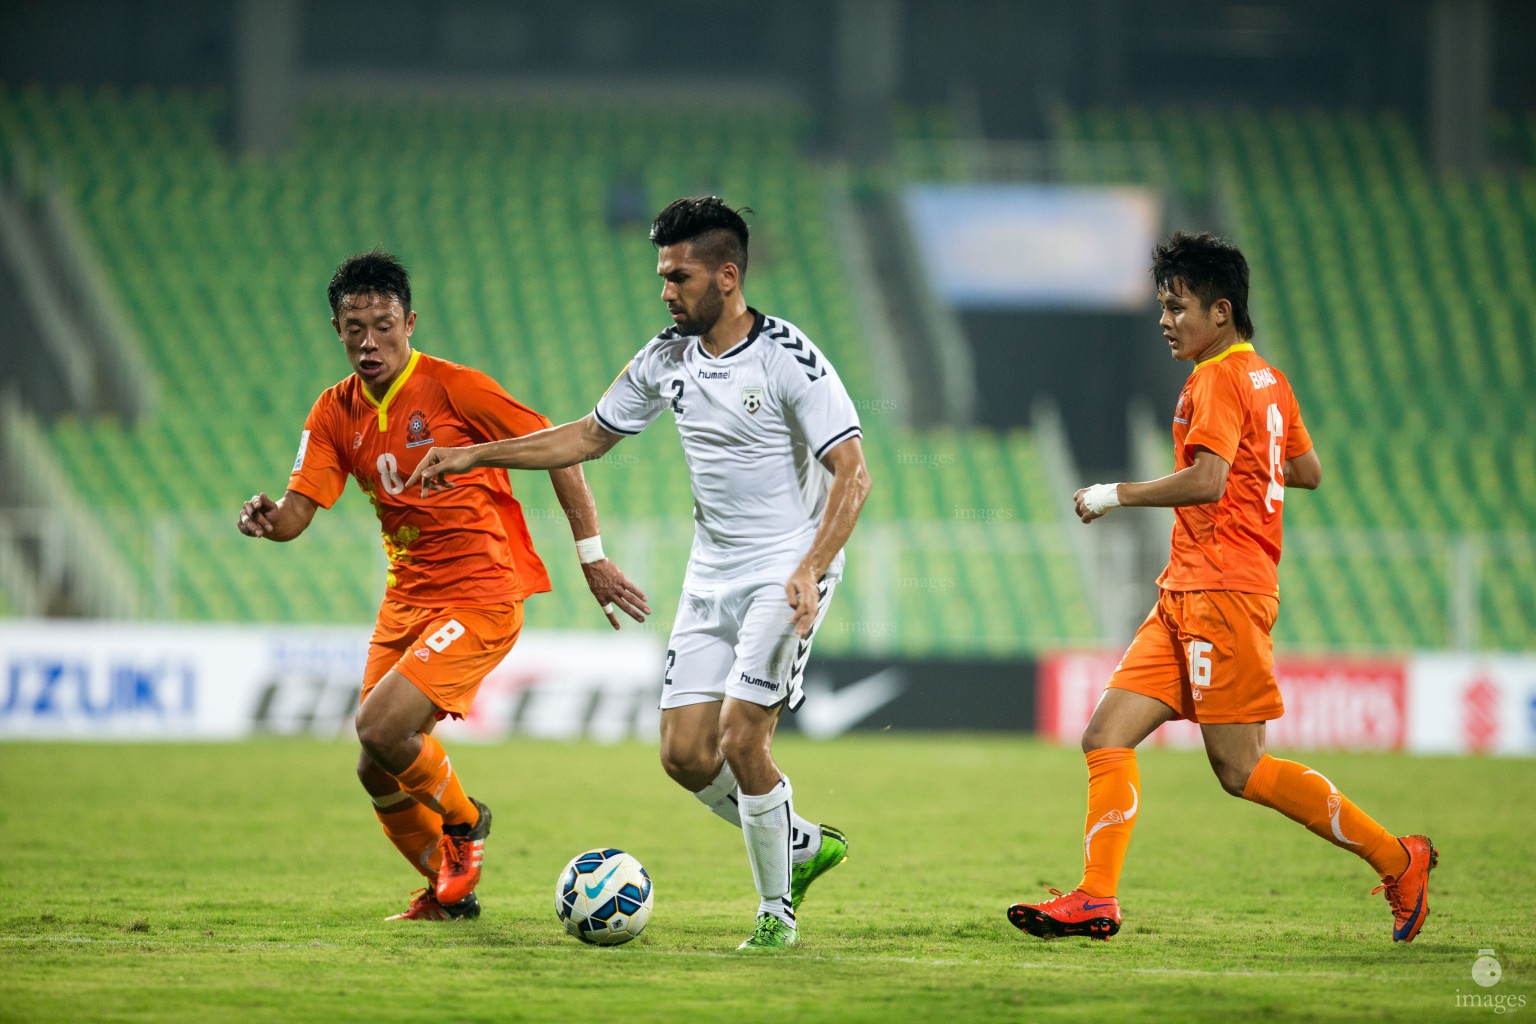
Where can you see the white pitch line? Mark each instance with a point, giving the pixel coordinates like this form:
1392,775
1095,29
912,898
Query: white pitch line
87,940
1022,965
1029,965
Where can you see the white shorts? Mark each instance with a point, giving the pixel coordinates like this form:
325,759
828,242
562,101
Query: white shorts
737,642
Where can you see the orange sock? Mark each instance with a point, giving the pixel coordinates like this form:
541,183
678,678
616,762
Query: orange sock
1114,793
415,830
1307,797
430,779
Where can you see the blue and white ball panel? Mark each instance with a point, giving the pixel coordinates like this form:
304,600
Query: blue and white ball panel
604,897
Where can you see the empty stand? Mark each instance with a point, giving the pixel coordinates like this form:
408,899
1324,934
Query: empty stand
525,231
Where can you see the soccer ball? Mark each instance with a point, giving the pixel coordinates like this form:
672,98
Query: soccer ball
603,897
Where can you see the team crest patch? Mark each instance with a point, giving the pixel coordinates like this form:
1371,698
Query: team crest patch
752,399
417,432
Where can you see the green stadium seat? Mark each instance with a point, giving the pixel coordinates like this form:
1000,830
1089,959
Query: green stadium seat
1369,275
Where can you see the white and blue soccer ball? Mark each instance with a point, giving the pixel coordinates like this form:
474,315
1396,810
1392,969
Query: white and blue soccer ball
603,897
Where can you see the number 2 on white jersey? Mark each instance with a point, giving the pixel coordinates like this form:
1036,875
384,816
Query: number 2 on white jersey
1276,424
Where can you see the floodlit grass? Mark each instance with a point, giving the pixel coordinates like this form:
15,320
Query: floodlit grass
249,881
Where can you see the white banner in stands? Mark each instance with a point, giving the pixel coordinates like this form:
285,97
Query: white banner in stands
1339,703
1425,703
145,681
1466,704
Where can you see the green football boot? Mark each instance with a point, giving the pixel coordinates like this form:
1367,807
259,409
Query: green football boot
771,933
834,850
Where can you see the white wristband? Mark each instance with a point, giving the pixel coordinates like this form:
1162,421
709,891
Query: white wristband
590,549
1100,498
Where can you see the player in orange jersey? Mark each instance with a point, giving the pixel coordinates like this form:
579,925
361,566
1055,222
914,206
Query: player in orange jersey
459,569
1204,653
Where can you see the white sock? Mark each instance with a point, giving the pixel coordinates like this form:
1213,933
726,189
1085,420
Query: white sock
765,824
721,797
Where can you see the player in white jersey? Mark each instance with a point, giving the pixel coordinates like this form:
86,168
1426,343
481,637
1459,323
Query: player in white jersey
773,447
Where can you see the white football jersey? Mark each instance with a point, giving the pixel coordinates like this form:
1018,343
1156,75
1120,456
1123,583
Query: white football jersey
754,423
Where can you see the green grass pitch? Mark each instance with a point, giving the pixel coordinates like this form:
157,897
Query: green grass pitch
249,881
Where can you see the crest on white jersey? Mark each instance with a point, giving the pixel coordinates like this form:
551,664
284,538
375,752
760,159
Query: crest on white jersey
752,398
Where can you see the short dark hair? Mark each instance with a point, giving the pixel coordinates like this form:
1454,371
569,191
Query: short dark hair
718,233
370,273
1211,268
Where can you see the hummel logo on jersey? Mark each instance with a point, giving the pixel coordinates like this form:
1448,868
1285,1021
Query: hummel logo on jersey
754,681
714,375
423,654
752,398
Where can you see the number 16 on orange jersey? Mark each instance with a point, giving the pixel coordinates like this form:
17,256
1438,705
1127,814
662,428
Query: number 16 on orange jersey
1199,665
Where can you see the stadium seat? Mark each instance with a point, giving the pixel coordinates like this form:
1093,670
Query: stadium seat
1367,276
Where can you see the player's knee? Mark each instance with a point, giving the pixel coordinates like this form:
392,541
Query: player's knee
377,737
1097,737
1233,777
739,742
692,762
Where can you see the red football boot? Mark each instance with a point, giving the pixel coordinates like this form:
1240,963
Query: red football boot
1408,893
1070,913
425,907
462,848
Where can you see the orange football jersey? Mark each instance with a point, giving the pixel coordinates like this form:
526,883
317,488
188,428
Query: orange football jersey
468,545
1242,409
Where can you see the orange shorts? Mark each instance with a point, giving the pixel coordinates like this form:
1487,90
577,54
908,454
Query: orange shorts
1208,655
445,652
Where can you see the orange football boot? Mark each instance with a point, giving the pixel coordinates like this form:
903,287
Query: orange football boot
1408,893
462,848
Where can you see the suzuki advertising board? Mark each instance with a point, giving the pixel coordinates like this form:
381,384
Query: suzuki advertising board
1473,705
142,681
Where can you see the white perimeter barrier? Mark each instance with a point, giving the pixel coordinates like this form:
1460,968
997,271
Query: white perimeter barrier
112,680
146,681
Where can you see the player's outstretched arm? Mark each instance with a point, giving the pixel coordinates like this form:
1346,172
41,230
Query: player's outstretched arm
283,519
845,500
1199,484
566,445
609,586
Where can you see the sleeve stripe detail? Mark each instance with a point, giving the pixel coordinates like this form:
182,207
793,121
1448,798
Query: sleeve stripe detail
603,422
800,347
852,431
